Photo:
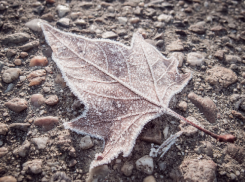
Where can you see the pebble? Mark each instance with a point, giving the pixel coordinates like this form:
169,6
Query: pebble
232,59
60,176
8,179
50,1
159,24
134,20
98,172
65,22
187,129
162,165
164,18
16,104
30,45
233,176
16,38
3,151
175,46
37,100
198,27
34,166
17,62
205,105
218,29
22,78
23,149
80,22
149,179
236,152
35,24
220,76
152,135
3,129
47,123
145,164
9,88
62,10
40,142
195,59
127,168
206,148
180,57
20,126
11,53
36,77
72,163
109,35
219,54
196,170
52,100
86,143
59,80
75,15
11,74
38,61
183,105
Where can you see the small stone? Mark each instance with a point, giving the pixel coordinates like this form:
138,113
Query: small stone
8,179
59,80
50,1
236,152
165,18
3,151
36,81
47,123
16,104
198,28
127,168
46,89
37,100
195,170
17,62
23,149
152,135
35,24
80,22
218,29
22,78
183,105
11,53
175,46
62,10
205,105
72,163
52,100
180,57
36,77
60,177
159,24
65,22
41,142
232,59
48,17
16,38
109,35
206,148
86,143
145,164
98,172
219,54
34,166
233,176
20,126
187,129
3,129
30,45
38,61
134,20
149,179
11,74
195,59
23,54
220,76
75,15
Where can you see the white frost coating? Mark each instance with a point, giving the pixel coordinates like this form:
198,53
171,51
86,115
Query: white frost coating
122,87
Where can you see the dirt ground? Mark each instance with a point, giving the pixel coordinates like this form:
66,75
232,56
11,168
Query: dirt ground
214,29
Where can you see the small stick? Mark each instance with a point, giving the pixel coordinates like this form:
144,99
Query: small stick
221,138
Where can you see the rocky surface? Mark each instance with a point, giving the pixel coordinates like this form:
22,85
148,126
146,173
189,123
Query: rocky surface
207,37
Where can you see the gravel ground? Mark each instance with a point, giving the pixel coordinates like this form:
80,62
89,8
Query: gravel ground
206,36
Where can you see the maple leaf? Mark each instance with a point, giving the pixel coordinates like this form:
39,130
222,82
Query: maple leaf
121,87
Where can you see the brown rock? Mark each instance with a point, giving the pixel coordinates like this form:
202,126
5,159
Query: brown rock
20,126
232,59
50,1
59,80
198,28
17,62
23,149
36,81
23,54
127,168
52,100
72,163
38,61
219,54
36,77
29,46
218,29
149,179
16,104
221,76
47,123
183,105
152,135
236,152
37,100
3,129
11,74
205,105
3,151
34,166
195,170
175,46
8,179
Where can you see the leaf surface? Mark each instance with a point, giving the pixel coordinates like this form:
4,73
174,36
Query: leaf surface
121,87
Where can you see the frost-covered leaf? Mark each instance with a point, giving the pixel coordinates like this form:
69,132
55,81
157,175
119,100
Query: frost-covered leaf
121,87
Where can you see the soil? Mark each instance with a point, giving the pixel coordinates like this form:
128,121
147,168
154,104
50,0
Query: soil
221,29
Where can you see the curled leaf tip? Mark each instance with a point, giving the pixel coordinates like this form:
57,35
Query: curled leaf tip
227,138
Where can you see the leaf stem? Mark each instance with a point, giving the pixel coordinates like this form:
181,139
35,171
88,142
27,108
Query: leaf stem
221,138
